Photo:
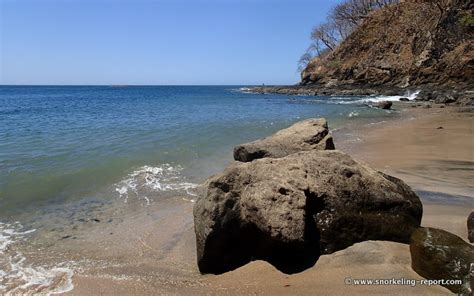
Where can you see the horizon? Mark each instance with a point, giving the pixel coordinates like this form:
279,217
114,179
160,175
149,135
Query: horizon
133,85
201,42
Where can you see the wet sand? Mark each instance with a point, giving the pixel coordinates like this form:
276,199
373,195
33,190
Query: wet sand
153,251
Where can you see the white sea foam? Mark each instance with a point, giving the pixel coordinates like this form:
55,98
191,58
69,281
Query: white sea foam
245,90
353,114
374,99
147,179
19,277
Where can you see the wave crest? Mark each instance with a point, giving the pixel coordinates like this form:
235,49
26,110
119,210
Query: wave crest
148,180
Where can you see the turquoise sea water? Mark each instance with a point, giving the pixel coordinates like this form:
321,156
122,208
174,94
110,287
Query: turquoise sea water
63,143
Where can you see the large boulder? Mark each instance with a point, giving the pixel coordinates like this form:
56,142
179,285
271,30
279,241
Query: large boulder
470,227
290,210
310,134
442,256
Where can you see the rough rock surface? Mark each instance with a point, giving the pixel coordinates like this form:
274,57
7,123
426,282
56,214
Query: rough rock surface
466,100
290,210
437,254
445,99
470,227
386,105
302,136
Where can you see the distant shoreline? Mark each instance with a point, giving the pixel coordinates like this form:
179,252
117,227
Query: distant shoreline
429,92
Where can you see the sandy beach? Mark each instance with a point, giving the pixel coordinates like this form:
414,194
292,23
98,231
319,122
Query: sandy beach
157,250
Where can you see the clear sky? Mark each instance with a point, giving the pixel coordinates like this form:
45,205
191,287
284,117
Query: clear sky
155,42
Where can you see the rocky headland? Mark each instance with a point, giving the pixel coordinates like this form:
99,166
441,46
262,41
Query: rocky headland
408,46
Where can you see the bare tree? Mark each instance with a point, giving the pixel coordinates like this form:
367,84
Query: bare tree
327,34
341,21
304,61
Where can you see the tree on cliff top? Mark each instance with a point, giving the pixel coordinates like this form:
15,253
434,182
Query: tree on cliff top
341,21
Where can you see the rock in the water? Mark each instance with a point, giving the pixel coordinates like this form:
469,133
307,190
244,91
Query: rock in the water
302,136
426,106
404,99
386,105
470,227
439,255
290,210
425,96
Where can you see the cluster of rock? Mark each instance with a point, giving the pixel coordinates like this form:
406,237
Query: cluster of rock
291,197
427,93
316,90
462,98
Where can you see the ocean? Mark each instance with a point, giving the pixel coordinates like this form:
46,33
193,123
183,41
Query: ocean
65,150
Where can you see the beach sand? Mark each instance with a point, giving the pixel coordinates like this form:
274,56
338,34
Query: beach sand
153,251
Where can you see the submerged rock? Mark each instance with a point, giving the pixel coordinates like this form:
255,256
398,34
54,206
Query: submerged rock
439,255
386,105
302,136
290,210
404,99
470,227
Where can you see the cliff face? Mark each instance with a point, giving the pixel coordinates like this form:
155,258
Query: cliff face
408,44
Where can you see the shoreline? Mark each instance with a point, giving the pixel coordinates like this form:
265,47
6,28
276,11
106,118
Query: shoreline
145,268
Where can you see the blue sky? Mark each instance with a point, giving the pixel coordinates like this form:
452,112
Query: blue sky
155,42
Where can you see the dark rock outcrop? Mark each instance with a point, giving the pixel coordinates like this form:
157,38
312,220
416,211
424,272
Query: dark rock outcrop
439,255
290,210
445,99
404,99
470,227
466,100
386,105
302,136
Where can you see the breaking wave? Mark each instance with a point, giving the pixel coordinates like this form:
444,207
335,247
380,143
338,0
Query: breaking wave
19,277
374,99
147,180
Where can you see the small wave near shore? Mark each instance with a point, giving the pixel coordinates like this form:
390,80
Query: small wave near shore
147,181
18,276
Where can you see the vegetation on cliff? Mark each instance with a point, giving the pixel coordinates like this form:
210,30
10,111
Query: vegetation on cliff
393,43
